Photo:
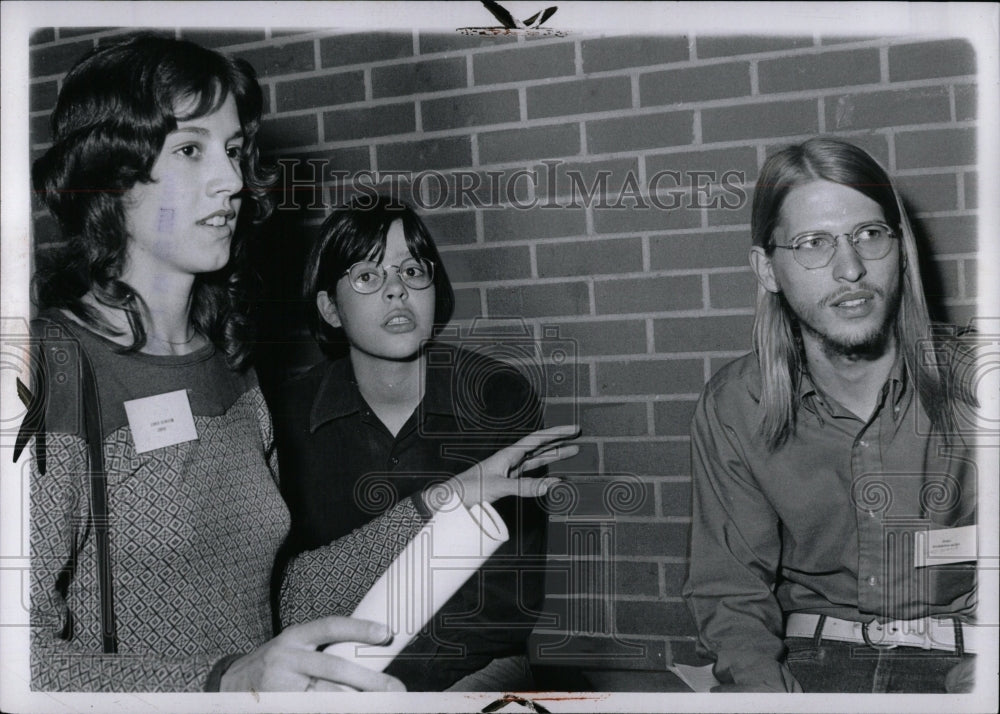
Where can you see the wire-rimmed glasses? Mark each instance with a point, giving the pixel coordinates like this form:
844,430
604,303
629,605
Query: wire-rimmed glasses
871,240
367,276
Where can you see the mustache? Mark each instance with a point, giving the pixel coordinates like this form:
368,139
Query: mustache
864,287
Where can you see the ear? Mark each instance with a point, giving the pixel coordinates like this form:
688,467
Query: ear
328,309
760,261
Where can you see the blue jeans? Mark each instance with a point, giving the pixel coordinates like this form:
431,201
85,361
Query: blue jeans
833,666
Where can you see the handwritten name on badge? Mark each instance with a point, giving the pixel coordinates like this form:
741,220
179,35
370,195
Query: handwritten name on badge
161,420
945,546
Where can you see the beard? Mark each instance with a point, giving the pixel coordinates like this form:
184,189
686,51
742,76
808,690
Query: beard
868,344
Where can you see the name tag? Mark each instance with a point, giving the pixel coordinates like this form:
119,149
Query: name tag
161,420
945,546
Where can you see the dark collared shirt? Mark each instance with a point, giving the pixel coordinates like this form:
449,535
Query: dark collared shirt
340,467
823,524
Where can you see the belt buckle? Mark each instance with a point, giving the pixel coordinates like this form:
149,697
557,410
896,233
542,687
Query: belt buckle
868,639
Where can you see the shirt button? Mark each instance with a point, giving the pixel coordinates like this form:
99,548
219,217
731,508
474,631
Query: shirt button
873,581
871,514
394,461
863,444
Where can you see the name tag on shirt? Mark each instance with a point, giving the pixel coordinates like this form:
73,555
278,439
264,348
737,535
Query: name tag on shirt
944,546
161,420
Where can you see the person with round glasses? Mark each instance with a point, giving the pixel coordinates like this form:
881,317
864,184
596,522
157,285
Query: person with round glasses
822,458
358,433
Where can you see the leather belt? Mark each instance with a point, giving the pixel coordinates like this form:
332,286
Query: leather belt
929,633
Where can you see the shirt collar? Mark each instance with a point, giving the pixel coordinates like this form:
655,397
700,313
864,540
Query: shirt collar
338,395
896,382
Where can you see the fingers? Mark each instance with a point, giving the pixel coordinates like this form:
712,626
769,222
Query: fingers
330,672
337,629
523,488
549,456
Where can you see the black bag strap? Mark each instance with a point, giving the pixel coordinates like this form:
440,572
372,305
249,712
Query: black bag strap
33,425
99,503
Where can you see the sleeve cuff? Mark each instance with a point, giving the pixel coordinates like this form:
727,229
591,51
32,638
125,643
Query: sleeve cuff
214,680
418,503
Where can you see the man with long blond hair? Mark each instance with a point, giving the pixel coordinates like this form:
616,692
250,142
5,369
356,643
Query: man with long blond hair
828,466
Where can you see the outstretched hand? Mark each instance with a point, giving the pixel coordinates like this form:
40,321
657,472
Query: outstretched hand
498,476
291,661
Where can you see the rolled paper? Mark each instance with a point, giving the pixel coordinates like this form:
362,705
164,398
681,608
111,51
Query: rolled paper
447,551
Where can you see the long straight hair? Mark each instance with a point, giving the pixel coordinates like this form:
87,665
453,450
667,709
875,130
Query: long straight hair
776,332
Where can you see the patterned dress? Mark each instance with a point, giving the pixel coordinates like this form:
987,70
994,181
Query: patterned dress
194,527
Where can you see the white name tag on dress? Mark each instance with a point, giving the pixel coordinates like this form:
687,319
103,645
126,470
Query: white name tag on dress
161,420
944,546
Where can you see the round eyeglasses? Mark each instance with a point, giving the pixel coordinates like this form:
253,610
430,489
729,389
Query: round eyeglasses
367,276
815,249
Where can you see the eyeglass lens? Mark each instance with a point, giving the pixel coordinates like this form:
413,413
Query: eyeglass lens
871,241
368,276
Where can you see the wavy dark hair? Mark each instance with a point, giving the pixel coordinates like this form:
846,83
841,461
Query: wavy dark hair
776,336
358,232
114,111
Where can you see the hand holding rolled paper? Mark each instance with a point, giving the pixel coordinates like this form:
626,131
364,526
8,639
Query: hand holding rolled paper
498,476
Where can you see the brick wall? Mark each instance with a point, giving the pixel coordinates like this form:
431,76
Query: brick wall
653,300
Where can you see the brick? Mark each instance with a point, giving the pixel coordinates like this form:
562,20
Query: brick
222,38
673,418
585,464
284,132
648,217
42,96
468,266
41,36
114,39
579,97
829,69
674,576
627,419
320,91
351,159
606,337
711,46
39,129
936,148
942,281
656,294
646,131
651,539
695,84
728,205
920,105
971,279
517,65
691,164
653,458
636,578
697,334
451,228
66,33
278,59
965,102
657,376
607,498
971,189
470,110
923,60
842,39
751,121
584,182
527,301
728,290
698,250
364,48
609,53
949,234
929,192
56,59
418,77
467,304
364,122
569,381
589,258
663,618
508,224
529,143
493,188
426,155
432,42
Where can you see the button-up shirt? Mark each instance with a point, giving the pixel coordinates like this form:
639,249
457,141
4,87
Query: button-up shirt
341,467
825,523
